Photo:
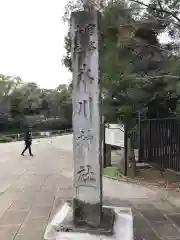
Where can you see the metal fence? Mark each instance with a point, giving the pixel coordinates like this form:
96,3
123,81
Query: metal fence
160,142
156,140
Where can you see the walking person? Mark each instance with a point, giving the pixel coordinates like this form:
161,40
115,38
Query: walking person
28,142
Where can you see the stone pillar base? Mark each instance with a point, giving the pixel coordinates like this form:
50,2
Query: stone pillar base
86,213
117,224
86,217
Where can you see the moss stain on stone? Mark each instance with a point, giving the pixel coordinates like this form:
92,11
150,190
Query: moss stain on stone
86,214
93,217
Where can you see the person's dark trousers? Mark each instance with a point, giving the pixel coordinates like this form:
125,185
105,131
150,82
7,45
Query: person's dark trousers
28,146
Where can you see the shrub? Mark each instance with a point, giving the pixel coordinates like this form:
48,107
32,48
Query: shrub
36,134
4,139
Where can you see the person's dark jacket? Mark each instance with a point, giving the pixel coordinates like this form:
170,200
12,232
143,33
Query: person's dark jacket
28,138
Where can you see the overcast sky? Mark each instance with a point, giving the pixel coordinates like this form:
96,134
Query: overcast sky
32,39
31,43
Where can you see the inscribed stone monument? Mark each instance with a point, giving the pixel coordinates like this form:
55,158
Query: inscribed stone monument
87,117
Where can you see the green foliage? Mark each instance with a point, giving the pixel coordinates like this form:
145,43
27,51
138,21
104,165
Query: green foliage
113,172
139,73
4,139
26,103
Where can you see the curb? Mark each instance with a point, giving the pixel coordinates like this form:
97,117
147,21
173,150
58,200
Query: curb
124,179
163,196
127,179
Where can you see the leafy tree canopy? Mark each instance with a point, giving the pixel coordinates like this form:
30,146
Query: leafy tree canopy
19,99
139,72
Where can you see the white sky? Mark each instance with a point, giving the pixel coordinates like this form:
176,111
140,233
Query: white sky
32,41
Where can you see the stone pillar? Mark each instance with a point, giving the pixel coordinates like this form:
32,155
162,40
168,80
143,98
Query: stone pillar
87,118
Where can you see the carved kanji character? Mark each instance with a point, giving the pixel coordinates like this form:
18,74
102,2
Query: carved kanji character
80,107
79,48
85,103
91,46
81,70
89,76
90,28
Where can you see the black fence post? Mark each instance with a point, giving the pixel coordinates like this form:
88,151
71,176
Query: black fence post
139,135
108,155
125,149
104,145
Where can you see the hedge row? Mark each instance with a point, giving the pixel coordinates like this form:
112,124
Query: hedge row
19,137
15,126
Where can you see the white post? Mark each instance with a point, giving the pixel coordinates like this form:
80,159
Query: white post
87,118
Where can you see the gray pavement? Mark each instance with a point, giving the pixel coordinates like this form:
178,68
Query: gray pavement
32,189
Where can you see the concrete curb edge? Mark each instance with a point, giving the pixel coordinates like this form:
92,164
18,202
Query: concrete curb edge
162,196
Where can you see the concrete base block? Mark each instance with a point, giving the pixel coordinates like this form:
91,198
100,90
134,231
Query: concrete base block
62,228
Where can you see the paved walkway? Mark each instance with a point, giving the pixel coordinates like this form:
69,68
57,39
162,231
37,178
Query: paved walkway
31,190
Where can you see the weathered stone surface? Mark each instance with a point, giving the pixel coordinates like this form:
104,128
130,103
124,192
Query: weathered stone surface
166,230
140,224
87,116
46,193
119,194
63,226
40,211
65,193
154,215
144,206
86,223
13,218
164,206
30,237
36,226
149,235
19,205
86,213
8,232
175,218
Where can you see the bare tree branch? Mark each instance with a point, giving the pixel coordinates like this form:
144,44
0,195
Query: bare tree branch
157,9
160,5
152,77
